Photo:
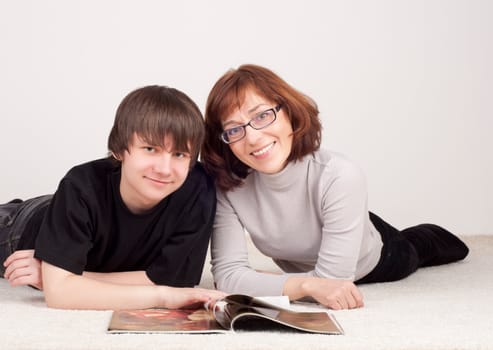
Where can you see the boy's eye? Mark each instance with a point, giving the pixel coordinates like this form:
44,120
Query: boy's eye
181,154
149,149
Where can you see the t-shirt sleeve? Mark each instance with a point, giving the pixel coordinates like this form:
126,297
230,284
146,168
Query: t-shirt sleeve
64,237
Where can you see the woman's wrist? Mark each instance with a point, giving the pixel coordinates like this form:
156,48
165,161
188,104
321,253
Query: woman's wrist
297,287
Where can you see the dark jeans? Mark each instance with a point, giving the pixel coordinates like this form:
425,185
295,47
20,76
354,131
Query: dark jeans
403,252
399,257
14,217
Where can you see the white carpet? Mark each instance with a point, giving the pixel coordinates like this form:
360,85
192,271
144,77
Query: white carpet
447,307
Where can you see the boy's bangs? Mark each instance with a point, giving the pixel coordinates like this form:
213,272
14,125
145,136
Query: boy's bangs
158,131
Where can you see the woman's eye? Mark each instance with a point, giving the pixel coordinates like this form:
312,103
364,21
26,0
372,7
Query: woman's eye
233,131
264,115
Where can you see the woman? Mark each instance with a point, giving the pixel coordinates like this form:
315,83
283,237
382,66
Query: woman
303,206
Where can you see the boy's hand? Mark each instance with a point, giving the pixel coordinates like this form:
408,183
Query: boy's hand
175,298
22,268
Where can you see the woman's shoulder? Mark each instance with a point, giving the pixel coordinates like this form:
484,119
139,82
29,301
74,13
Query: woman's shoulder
333,160
330,165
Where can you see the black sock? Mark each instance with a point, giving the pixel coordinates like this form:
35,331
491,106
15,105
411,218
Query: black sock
435,245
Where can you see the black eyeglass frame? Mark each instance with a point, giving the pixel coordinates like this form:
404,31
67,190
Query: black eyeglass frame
275,110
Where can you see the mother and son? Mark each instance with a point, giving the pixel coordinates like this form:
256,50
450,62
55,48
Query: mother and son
132,230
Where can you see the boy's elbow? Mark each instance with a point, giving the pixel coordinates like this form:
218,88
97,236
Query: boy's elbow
53,304
55,301
57,287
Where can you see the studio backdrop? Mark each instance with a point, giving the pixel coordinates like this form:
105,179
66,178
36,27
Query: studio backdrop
403,87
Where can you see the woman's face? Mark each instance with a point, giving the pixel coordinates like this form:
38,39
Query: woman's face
265,150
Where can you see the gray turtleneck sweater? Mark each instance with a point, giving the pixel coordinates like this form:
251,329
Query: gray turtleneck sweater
311,219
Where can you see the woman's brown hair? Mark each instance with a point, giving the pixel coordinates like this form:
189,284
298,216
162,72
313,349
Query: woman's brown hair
228,94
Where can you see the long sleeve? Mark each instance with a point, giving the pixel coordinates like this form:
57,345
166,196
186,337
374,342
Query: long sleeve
230,265
344,214
311,219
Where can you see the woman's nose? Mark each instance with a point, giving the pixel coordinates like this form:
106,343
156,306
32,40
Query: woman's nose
252,135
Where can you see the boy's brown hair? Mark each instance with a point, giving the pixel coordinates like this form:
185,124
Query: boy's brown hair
155,112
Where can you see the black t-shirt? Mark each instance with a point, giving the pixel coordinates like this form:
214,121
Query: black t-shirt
87,227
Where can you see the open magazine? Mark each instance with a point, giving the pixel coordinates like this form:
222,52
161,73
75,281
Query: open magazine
235,312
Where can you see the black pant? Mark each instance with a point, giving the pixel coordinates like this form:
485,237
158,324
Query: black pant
398,259
403,252
15,218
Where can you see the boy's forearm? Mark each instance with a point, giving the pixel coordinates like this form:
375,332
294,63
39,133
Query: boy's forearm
127,278
65,290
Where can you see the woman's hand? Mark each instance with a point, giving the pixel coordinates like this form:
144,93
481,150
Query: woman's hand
332,293
22,268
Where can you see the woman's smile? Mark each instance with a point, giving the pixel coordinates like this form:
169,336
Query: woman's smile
263,152
266,149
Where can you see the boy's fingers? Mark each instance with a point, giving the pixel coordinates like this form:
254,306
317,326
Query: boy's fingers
22,281
18,273
19,254
21,266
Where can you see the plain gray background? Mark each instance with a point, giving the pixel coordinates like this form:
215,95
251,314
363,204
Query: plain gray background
404,87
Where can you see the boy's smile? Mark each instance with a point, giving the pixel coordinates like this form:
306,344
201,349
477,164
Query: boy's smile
151,173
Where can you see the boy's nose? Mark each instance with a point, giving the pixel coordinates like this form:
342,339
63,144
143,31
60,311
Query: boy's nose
163,164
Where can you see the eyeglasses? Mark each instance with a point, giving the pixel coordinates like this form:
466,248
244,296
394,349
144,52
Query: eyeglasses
260,121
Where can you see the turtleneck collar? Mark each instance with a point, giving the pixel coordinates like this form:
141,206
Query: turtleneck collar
294,171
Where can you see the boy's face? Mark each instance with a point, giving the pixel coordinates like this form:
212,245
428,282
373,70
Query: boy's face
150,173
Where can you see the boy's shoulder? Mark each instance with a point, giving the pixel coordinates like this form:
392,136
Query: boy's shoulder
198,181
93,174
197,172
94,167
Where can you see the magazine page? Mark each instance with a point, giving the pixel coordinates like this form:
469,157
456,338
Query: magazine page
243,312
273,302
235,312
268,319
224,314
164,321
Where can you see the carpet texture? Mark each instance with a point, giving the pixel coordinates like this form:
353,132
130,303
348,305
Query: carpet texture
444,307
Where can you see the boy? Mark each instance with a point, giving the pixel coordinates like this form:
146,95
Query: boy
125,231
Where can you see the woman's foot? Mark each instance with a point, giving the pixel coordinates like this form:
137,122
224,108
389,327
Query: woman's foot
435,245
